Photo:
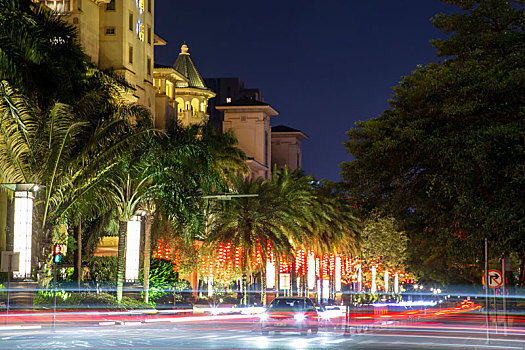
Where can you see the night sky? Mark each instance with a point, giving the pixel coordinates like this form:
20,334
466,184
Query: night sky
322,64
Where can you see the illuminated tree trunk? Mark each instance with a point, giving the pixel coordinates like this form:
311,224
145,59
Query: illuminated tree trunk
293,278
78,262
319,287
244,286
147,253
263,284
3,221
277,272
121,259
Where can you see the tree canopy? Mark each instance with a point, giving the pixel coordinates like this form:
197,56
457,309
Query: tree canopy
447,159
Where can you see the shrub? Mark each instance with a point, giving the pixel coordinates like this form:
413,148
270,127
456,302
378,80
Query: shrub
162,281
101,269
87,300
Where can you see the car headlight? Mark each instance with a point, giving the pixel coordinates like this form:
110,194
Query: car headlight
264,316
299,317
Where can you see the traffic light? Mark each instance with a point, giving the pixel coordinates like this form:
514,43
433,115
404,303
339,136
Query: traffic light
57,253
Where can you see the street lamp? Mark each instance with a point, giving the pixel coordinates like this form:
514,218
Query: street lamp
23,225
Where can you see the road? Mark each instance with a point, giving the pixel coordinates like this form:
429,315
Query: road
241,333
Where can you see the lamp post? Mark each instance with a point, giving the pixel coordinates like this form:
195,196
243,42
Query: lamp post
23,224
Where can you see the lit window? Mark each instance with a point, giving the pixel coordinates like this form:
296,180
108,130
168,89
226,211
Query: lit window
59,6
110,31
228,99
195,107
180,105
130,54
170,89
110,6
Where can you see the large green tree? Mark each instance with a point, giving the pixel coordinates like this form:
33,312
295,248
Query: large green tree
447,159
382,238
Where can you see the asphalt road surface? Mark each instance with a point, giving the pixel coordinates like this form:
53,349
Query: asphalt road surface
243,334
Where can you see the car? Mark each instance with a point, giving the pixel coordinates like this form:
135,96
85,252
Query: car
296,314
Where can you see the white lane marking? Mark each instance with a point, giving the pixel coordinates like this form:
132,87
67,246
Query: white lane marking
457,346
158,320
450,338
109,323
18,327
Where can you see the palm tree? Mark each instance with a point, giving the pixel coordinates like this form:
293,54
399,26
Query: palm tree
128,191
39,53
336,231
228,160
188,162
247,222
66,150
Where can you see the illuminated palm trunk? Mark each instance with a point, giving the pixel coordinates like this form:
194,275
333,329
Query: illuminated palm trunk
121,259
263,284
277,273
78,262
147,254
3,221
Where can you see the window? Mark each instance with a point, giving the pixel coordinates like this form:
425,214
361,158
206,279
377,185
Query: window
195,107
130,54
228,99
148,66
180,105
110,6
149,6
110,31
149,35
131,21
59,6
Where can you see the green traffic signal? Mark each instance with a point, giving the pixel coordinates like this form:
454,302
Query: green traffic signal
57,258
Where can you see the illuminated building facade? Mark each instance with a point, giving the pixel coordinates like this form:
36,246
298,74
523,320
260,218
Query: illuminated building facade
250,121
191,95
286,147
118,35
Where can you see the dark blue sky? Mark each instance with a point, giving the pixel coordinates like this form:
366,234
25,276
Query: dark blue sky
322,64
